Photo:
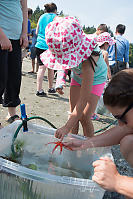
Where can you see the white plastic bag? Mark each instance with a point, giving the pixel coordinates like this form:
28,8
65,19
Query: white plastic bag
101,109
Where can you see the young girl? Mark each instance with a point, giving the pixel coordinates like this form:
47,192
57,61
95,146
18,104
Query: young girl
104,40
118,98
70,48
41,46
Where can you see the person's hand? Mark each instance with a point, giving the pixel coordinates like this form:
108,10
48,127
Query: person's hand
60,90
76,144
5,44
61,132
105,173
24,40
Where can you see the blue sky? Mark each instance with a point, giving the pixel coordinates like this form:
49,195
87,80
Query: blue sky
95,12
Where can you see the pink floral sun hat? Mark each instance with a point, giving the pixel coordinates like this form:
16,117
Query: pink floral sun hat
105,37
68,45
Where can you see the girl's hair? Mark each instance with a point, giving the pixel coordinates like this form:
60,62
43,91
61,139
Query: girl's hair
119,91
103,44
51,7
30,11
103,27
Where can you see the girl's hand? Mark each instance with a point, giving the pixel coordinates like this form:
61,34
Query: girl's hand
105,173
61,132
60,91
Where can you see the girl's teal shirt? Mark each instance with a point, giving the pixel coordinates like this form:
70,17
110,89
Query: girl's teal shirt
100,74
44,20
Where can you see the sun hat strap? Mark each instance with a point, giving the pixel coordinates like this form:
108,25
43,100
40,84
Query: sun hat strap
91,59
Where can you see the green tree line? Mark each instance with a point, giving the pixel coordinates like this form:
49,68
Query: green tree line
88,30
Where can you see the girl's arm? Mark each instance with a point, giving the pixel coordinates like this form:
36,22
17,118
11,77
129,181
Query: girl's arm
4,41
105,56
85,91
24,38
37,28
61,80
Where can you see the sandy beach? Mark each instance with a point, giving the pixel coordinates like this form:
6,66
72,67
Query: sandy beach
52,107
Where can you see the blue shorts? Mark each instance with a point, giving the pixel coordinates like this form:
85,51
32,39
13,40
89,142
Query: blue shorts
33,52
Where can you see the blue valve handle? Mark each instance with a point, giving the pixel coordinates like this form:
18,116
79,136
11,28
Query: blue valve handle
23,112
24,117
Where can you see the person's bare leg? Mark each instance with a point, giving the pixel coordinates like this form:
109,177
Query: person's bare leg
88,128
37,66
74,96
50,78
33,65
40,76
126,147
11,112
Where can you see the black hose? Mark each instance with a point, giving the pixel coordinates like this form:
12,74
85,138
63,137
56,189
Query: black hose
20,126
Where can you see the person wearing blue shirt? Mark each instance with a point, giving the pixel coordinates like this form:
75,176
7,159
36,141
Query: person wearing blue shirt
29,29
30,12
33,51
41,46
120,53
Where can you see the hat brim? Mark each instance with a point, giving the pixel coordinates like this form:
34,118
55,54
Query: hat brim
110,42
69,60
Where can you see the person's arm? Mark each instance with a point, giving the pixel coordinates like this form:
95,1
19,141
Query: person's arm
107,176
126,55
24,38
61,81
5,43
37,28
110,137
105,56
85,91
